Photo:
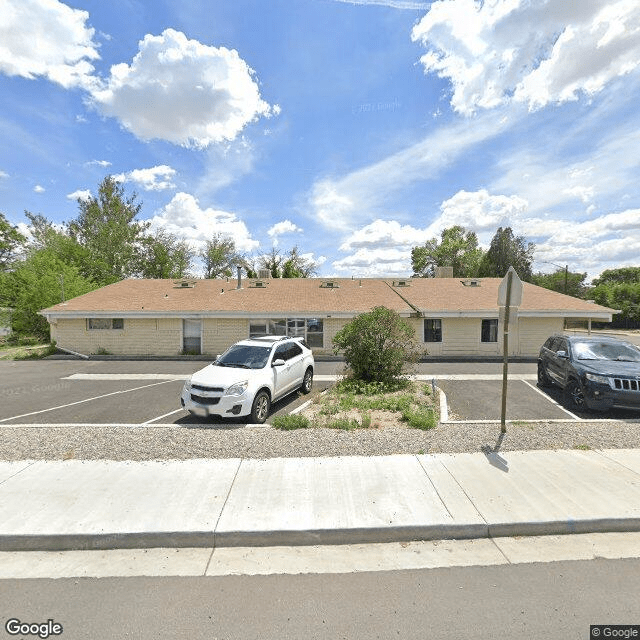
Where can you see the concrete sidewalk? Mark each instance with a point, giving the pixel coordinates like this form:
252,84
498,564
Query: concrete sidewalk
309,501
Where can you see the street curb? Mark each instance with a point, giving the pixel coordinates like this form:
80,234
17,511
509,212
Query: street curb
315,537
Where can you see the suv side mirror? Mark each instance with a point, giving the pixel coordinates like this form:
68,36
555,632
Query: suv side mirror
562,354
277,363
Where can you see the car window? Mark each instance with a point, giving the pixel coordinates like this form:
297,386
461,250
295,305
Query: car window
561,345
606,351
244,356
294,350
281,352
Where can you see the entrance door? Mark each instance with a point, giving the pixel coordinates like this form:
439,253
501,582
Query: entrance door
191,331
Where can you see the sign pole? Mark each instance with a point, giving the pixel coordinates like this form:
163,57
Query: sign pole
505,354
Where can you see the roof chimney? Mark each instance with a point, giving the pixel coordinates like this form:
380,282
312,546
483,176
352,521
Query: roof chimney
239,278
444,272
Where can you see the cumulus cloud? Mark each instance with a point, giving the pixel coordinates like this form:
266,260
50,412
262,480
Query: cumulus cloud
384,234
39,189
182,91
3,174
154,179
81,194
479,211
281,228
46,38
375,262
535,53
184,218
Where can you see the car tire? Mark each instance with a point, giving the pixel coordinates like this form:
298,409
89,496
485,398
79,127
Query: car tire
260,407
574,395
307,381
543,377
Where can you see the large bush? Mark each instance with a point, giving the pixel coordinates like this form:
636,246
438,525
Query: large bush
377,345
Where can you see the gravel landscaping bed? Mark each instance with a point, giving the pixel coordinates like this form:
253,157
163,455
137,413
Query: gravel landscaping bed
222,441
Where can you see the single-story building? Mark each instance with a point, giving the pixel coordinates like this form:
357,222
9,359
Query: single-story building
451,316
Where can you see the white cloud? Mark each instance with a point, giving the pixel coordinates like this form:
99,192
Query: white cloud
479,211
182,91
394,4
536,53
184,218
281,228
46,38
3,175
98,163
376,262
385,234
39,189
153,179
81,194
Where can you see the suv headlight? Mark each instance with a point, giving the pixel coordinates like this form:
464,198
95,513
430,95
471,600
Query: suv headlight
596,378
237,389
187,386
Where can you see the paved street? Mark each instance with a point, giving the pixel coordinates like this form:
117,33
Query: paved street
541,601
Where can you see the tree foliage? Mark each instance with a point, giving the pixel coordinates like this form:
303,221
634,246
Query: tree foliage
623,275
377,345
107,228
563,281
11,243
39,282
296,266
220,256
506,250
457,248
164,256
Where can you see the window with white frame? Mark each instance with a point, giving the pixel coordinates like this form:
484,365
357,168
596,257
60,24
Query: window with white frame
99,324
311,329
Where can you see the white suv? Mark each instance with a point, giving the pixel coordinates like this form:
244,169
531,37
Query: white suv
248,377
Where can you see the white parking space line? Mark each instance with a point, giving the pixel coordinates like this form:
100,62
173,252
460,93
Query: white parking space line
71,404
552,401
163,416
128,376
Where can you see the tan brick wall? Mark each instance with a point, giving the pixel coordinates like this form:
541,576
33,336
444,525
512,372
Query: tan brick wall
218,334
141,336
534,331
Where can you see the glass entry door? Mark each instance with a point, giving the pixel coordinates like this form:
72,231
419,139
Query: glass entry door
191,336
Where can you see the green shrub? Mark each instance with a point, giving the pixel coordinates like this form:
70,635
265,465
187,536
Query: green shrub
290,422
377,345
420,418
347,424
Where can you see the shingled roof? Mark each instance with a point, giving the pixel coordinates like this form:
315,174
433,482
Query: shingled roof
308,296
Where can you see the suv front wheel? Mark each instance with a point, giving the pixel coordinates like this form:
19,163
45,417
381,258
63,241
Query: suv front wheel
260,407
307,381
574,394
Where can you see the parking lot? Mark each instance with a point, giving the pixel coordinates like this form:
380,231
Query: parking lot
137,393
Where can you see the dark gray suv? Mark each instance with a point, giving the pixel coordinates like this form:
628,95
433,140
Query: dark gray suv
595,372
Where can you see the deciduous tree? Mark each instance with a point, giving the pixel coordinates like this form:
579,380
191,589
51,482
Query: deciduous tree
457,248
508,250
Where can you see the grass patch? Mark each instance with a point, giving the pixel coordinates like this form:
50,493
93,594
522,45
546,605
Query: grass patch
583,447
351,405
290,422
27,352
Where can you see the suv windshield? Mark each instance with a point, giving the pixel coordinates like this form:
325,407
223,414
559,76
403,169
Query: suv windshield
605,351
244,356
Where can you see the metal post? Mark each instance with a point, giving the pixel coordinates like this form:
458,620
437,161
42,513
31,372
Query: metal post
505,355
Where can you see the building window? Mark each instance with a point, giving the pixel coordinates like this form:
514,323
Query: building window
311,329
489,331
433,330
95,324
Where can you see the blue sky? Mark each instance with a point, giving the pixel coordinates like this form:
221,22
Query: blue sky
352,129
